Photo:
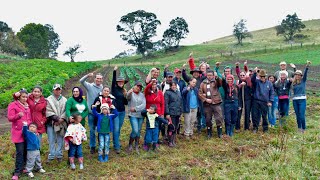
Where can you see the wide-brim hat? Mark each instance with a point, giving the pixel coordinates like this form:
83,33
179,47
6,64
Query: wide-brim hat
195,70
121,78
298,72
262,72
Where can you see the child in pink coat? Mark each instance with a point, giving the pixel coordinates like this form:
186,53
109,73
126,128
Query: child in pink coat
18,112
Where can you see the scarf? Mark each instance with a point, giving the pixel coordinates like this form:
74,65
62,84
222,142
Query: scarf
230,85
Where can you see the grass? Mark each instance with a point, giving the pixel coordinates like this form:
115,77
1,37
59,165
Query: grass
279,154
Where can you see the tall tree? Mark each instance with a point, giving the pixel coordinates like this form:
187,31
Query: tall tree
53,41
178,29
72,52
12,45
138,28
290,26
36,38
4,29
240,31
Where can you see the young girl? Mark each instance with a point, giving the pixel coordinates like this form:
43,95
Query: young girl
18,112
190,106
74,136
282,88
104,127
272,111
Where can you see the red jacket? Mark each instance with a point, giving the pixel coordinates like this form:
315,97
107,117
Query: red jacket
38,112
17,122
154,98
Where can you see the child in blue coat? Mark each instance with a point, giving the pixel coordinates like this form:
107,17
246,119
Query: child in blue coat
104,127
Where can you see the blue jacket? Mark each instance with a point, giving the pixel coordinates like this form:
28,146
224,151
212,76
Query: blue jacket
181,83
300,89
262,91
186,95
100,116
31,138
157,120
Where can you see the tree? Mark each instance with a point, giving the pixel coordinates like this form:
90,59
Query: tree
36,39
178,29
138,28
72,52
240,31
53,41
11,44
290,26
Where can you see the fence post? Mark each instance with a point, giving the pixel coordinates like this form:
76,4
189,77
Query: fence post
109,63
291,45
141,62
124,63
280,46
231,53
221,54
301,44
265,49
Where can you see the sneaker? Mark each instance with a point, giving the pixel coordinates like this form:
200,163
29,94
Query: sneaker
100,158
81,166
73,166
42,170
15,177
30,174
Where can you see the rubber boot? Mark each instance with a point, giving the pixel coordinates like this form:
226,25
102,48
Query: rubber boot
209,132
137,144
130,144
106,158
149,146
174,140
72,165
219,130
227,130
170,138
80,160
100,158
231,130
154,147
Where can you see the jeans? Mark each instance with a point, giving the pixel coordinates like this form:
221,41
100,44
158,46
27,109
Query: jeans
20,157
92,127
260,108
247,112
151,135
231,112
117,124
55,143
200,117
272,111
299,106
40,139
283,107
136,124
75,150
104,143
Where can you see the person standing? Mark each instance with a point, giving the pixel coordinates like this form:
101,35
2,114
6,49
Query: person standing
262,99
299,98
57,122
211,98
93,90
120,101
19,112
136,104
245,100
76,103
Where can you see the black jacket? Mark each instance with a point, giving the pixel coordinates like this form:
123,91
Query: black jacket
173,103
120,100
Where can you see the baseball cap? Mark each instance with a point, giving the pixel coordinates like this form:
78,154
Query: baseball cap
104,106
138,83
283,62
170,74
57,86
176,70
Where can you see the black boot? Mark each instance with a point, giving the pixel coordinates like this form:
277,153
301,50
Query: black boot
170,139
92,150
149,146
227,130
209,132
137,144
219,129
130,144
154,147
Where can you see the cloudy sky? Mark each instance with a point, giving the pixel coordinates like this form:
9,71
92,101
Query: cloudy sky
92,24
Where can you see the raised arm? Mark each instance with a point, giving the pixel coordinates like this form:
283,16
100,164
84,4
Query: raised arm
84,82
114,74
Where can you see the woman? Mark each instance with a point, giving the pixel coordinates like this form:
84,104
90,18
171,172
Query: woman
37,105
282,86
76,103
120,93
19,112
155,96
173,109
245,100
299,97
272,110
136,103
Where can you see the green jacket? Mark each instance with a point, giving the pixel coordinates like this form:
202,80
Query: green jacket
73,106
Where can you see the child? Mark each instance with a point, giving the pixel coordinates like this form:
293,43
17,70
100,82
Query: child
104,127
33,148
152,125
74,136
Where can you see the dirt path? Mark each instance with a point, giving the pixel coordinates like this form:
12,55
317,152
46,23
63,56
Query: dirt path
106,71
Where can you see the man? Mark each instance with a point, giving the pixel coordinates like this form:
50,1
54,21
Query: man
263,94
56,123
93,89
211,98
165,85
283,67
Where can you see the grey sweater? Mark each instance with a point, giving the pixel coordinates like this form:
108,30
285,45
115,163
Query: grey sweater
138,101
92,91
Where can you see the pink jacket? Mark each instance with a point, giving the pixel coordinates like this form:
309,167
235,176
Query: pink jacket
17,122
38,111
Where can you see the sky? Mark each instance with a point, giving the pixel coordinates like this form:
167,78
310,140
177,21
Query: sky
92,24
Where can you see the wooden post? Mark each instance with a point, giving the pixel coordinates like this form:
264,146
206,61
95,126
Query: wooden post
265,49
301,45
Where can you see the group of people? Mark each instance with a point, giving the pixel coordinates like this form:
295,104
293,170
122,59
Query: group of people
204,93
